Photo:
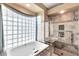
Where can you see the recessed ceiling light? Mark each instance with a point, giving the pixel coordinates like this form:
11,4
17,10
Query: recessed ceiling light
62,12
27,4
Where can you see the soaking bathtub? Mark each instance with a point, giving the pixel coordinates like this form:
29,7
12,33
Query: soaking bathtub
30,49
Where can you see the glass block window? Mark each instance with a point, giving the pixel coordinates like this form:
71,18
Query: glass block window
39,38
18,29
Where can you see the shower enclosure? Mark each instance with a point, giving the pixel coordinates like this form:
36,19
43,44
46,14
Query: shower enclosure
66,32
67,38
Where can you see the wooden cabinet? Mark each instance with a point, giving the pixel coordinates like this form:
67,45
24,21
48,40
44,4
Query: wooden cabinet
62,52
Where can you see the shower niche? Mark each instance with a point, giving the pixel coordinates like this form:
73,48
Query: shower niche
61,31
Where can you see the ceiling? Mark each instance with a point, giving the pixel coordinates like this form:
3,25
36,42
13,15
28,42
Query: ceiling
32,7
64,7
50,5
51,8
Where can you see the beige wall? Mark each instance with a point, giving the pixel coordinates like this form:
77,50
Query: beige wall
44,20
64,17
41,34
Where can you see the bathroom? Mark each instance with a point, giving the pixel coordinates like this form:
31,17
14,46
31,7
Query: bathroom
39,29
